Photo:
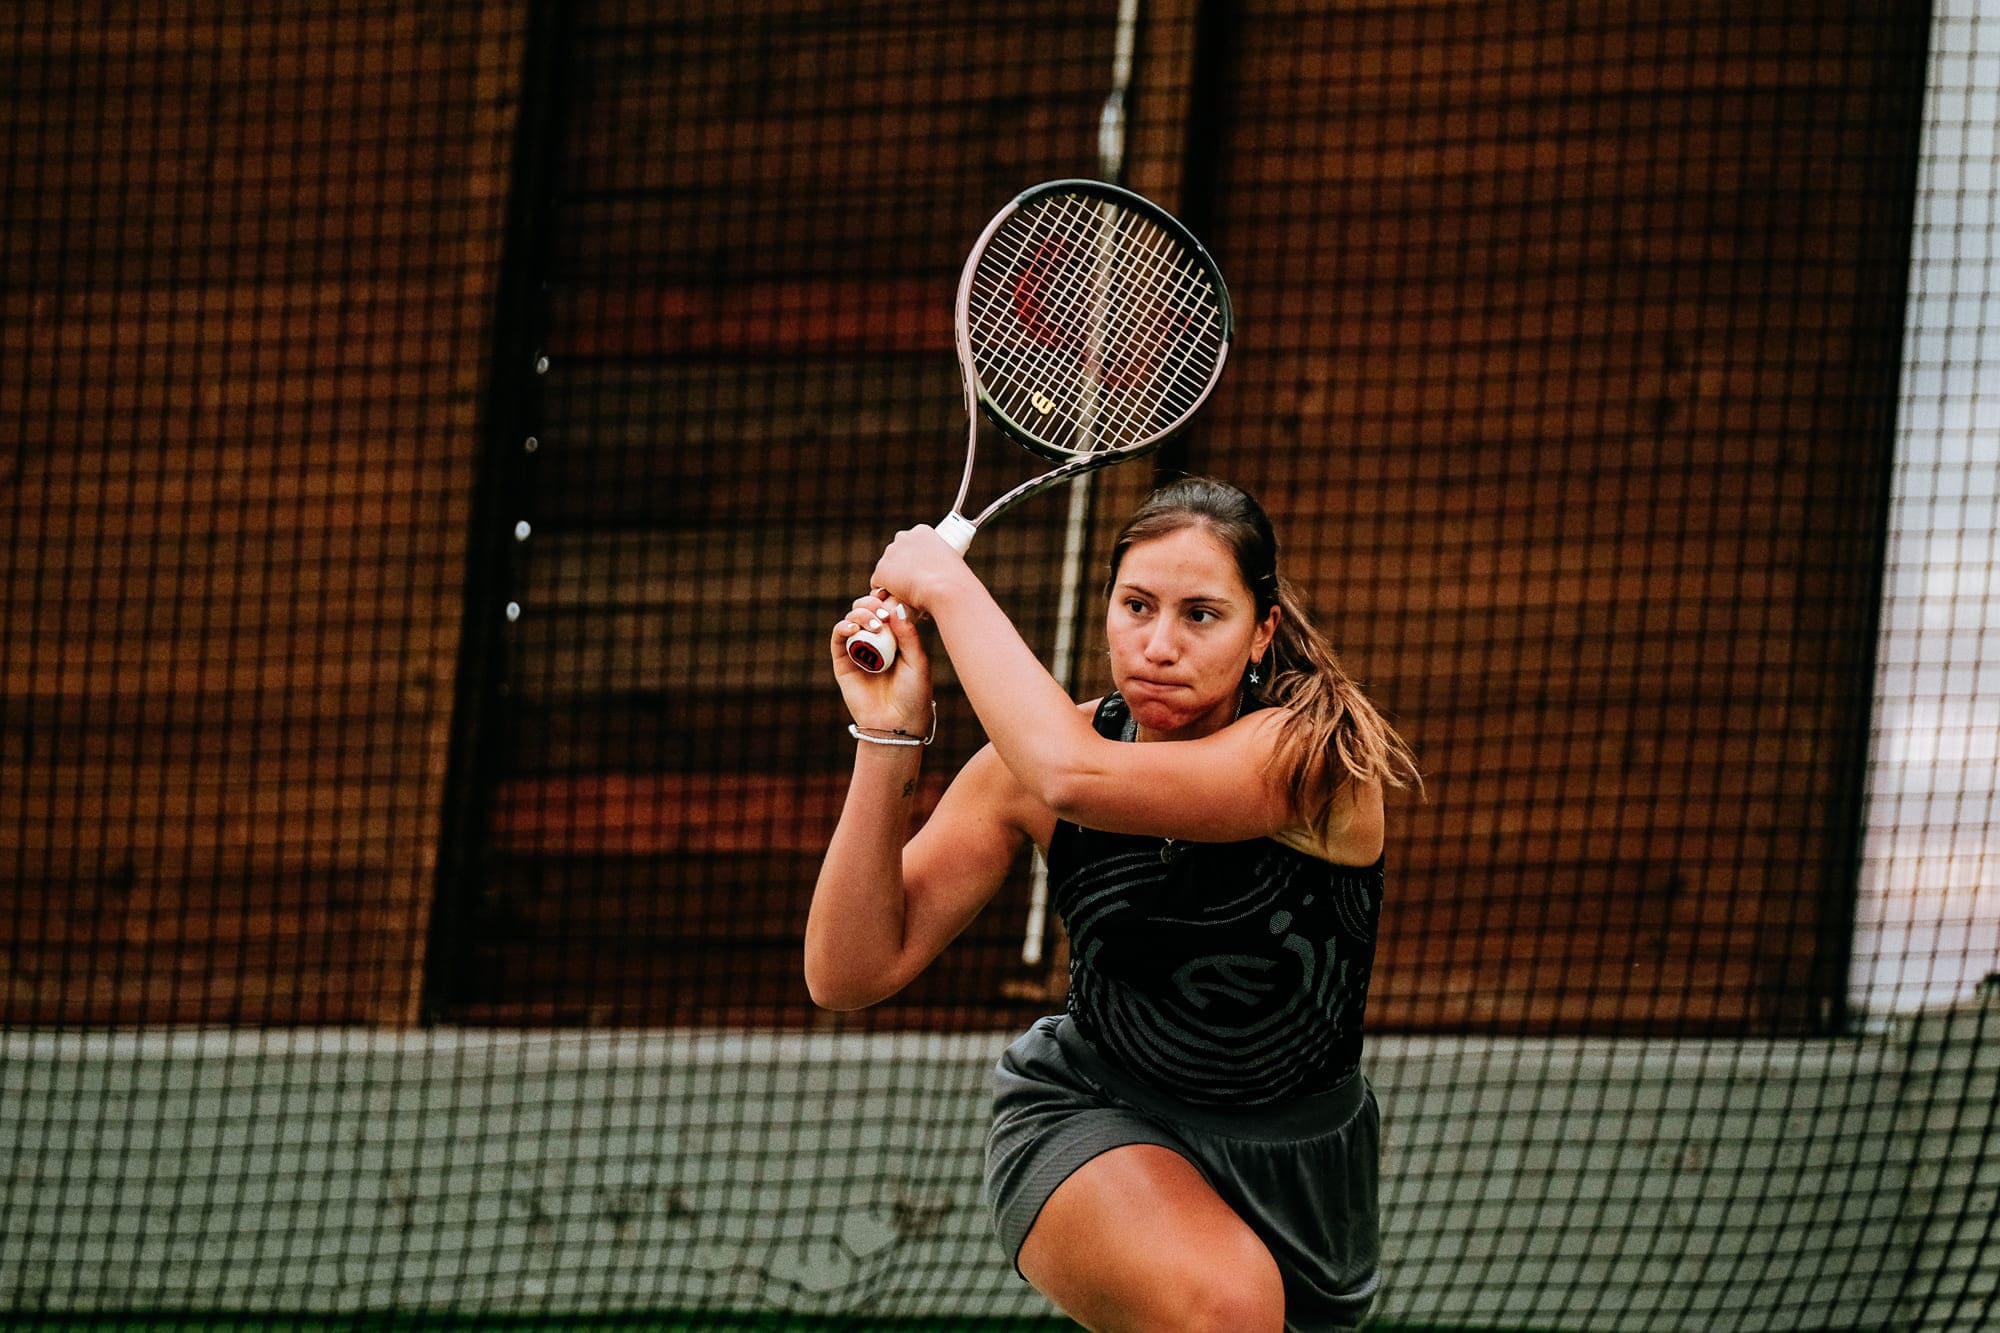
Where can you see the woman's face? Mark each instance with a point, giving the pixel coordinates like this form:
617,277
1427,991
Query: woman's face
1182,626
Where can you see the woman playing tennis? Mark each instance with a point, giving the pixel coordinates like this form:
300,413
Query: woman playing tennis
1191,1145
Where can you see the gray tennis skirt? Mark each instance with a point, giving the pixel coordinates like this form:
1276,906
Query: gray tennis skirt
1302,1174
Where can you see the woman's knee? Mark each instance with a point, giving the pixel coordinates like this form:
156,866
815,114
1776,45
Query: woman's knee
1225,1288
1137,1239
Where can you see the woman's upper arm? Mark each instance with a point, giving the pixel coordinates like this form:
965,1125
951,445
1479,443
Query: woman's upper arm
961,856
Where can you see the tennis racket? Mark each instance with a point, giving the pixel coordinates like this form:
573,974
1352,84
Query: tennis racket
1091,325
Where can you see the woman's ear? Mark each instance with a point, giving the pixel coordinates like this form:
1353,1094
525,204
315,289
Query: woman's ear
1261,643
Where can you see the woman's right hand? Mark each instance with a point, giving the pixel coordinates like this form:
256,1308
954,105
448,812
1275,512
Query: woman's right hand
898,699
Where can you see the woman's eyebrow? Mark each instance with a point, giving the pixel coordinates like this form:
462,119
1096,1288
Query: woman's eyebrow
1144,591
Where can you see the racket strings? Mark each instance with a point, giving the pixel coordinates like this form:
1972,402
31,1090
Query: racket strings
1108,406
1124,304
1094,322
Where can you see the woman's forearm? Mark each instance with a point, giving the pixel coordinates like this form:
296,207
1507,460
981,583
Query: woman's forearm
1033,724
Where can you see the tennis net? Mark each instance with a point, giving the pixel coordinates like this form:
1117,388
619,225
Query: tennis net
439,437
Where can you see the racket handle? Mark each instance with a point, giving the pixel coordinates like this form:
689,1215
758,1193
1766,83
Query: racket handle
874,650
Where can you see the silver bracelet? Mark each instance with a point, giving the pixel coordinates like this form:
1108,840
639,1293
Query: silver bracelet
861,735
898,737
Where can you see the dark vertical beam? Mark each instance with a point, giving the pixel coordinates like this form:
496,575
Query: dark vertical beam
510,414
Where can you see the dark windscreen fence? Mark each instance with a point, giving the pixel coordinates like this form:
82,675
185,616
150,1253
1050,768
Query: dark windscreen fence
437,440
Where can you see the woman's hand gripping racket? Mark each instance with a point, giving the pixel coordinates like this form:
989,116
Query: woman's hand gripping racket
1091,326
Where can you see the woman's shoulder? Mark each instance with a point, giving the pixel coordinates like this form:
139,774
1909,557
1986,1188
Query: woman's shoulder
1358,832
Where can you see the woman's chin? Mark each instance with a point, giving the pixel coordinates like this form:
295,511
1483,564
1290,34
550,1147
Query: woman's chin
1164,717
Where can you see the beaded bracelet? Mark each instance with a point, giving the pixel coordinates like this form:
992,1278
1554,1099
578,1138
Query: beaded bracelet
896,737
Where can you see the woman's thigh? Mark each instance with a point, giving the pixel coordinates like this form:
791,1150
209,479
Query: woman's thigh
1136,1239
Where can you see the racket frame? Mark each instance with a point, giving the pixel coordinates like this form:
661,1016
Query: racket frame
979,402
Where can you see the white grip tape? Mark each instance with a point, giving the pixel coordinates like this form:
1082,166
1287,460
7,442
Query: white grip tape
875,649
957,531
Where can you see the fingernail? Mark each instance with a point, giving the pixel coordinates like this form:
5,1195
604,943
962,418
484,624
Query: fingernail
902,614
874,624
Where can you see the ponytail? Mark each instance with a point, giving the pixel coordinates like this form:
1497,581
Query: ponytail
1331,735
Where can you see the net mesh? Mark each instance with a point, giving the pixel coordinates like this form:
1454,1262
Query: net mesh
438,439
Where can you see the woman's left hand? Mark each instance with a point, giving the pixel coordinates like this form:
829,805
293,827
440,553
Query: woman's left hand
918,567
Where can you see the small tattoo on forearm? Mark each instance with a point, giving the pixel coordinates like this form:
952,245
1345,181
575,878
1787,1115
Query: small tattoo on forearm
909,785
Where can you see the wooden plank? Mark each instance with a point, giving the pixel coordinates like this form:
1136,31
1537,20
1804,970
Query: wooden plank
839,315
677,450
1631,745
721,729
667,175
805,93
225,917
1537,973
734,232
180,113
155,812
682,937
1546,380
660,814
108,674
247,568
624,613
665,890
273,340
236,945
193,722
1441,50
783,1012
761,984
672,133
1160,102
639,21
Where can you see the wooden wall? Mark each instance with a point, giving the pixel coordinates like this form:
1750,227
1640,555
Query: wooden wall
1565,360
246,267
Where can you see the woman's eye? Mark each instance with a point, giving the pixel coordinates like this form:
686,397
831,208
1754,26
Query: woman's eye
1201,615
1137,608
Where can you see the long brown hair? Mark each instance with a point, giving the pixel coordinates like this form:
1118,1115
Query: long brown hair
1332,734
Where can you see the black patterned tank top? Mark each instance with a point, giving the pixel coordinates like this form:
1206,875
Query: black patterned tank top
1218,972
